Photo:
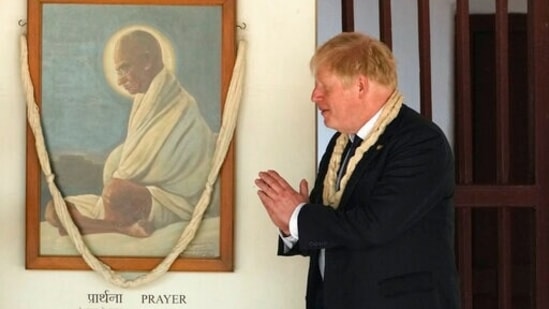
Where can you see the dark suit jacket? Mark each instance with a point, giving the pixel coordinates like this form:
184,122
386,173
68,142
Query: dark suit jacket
390,242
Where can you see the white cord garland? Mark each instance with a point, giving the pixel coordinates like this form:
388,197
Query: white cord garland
332,193
228,124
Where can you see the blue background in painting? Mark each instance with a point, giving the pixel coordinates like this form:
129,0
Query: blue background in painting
82,114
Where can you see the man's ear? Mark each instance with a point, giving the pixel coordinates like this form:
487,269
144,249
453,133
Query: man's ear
147,60
362,84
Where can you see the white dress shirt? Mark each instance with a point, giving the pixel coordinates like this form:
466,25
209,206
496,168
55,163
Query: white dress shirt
291,240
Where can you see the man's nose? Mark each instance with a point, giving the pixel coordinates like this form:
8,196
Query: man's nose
315,95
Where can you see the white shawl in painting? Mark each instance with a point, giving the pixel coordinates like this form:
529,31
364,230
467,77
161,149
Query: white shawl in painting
168,148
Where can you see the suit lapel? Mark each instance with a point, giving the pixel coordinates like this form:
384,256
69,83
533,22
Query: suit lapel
359,173
368,160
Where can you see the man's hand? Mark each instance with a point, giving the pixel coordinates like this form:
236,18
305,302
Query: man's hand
126,202
279,198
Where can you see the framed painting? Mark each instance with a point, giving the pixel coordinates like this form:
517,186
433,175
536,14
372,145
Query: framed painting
131,96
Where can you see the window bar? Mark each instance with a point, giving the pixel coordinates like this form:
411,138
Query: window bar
464,133
464,142
502,91
385,23
425,58
347,16
502,142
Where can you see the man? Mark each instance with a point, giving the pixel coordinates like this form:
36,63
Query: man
378,225
157,175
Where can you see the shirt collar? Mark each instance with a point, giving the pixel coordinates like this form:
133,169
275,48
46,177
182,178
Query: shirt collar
367,127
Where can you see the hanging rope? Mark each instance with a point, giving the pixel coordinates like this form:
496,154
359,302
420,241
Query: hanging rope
228,124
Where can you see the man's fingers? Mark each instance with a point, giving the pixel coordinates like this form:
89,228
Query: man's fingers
267,204
304,188
262,196
264,187
274,181
269,178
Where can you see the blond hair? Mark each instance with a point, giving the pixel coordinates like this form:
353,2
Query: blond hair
350,54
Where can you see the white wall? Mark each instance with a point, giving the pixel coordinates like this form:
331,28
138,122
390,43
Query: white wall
276,130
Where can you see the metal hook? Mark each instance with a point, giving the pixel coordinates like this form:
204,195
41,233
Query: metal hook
22,23
242,26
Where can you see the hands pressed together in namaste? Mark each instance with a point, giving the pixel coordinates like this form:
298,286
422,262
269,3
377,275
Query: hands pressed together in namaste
279,198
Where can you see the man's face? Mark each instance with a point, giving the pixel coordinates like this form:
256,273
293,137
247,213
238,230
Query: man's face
131,69
339,104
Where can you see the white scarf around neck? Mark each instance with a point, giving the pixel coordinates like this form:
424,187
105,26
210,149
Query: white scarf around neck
331,194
